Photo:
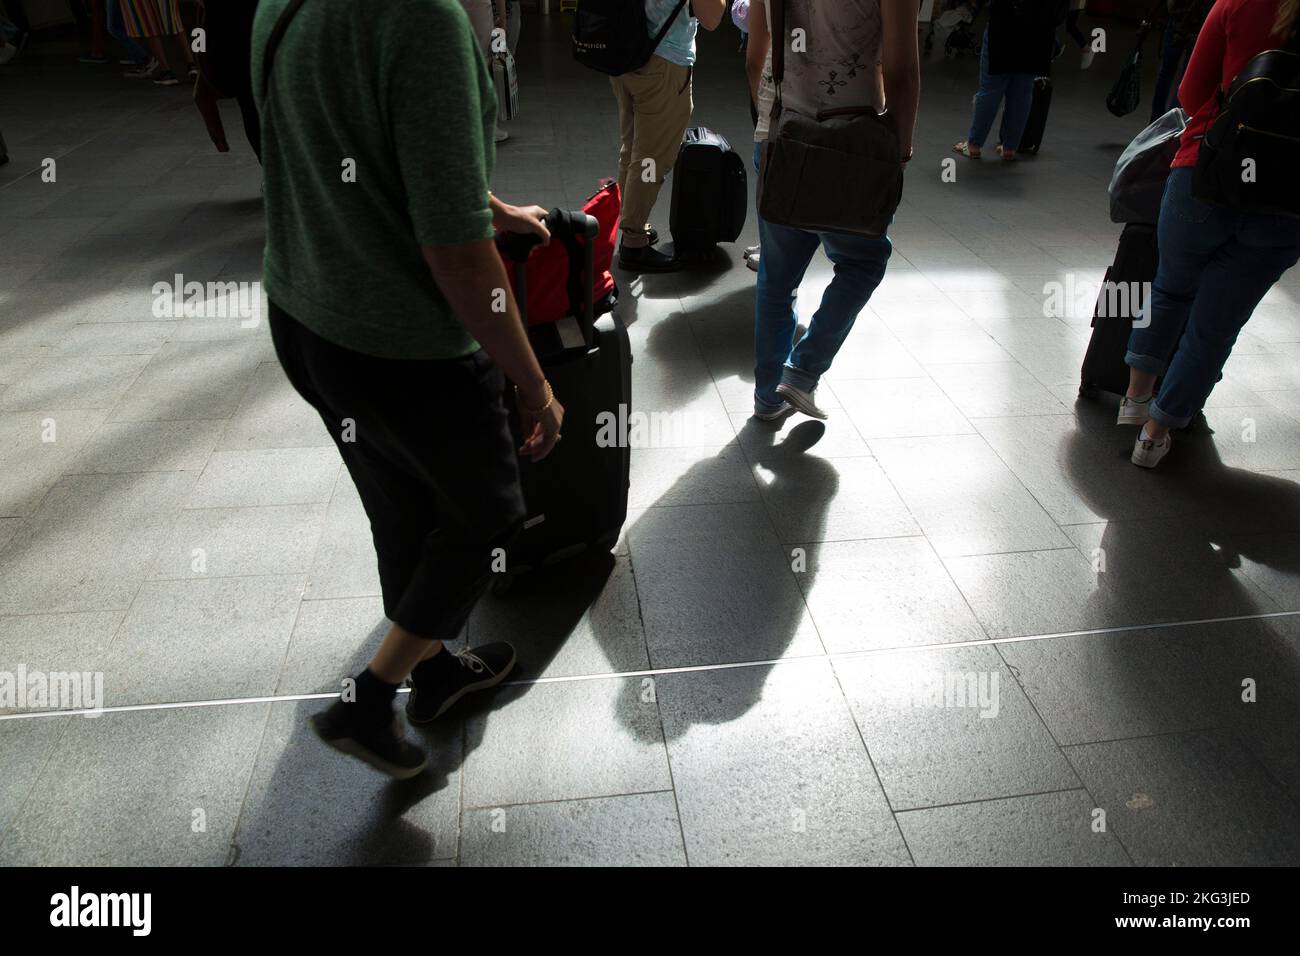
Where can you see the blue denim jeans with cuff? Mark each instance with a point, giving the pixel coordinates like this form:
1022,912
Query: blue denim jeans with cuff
1216,264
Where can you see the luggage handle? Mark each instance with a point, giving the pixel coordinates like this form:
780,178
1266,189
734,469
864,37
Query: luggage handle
564,227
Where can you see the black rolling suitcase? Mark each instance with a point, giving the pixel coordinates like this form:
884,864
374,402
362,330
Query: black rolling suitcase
576,497
1124,292
710,194
1036,125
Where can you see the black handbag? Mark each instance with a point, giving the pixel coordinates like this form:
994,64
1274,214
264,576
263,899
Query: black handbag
839,171
1126,94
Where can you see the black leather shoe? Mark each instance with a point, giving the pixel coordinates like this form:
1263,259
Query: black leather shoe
646,259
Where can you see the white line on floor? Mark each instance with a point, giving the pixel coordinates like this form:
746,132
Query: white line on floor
692,669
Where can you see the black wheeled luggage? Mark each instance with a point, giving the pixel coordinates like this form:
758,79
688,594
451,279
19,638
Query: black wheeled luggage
576,497
1124,295
710,194
1036,125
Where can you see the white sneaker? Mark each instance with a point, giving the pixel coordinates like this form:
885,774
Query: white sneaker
1133,411
773,414
1147,452
500,136
801,400
1088,56
752,262
751,251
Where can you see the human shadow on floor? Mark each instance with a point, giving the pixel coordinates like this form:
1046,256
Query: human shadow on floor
1221,544
1175,537
714,578
315,806
308,805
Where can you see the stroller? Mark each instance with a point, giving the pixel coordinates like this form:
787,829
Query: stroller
953,31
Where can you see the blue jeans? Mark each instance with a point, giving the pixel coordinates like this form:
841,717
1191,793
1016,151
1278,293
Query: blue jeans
1016,88
117,30
786,253
1216,265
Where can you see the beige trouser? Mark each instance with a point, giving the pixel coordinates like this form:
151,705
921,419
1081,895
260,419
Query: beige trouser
654,109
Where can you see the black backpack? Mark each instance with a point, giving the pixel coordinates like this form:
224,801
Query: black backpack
1251,153
613,36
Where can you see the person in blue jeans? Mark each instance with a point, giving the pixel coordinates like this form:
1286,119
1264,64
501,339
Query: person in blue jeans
1216,264
1018,46
790,375
881,35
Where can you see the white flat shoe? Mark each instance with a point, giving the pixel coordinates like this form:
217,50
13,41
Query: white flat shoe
1148,452
1133,412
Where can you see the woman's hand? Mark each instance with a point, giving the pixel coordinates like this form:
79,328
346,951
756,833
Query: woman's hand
539,423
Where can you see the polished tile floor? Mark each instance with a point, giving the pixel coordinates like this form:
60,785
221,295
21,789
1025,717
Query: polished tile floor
953,625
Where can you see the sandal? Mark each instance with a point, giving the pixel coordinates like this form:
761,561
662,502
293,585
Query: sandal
1008,155
966,149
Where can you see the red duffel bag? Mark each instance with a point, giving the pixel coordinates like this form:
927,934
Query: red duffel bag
555,272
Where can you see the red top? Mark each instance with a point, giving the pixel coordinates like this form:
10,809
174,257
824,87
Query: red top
1234,33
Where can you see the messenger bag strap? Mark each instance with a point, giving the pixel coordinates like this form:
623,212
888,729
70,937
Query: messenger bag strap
777,21
273,41
668,24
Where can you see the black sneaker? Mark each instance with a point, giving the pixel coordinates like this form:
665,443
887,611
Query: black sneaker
380,744
166,78
435,688
646,259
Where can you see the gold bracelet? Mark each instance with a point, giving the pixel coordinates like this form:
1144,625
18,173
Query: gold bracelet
550,399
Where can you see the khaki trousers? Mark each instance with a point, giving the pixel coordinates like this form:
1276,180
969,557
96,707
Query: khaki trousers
654,109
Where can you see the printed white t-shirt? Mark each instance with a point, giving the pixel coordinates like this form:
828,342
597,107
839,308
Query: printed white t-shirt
838,61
